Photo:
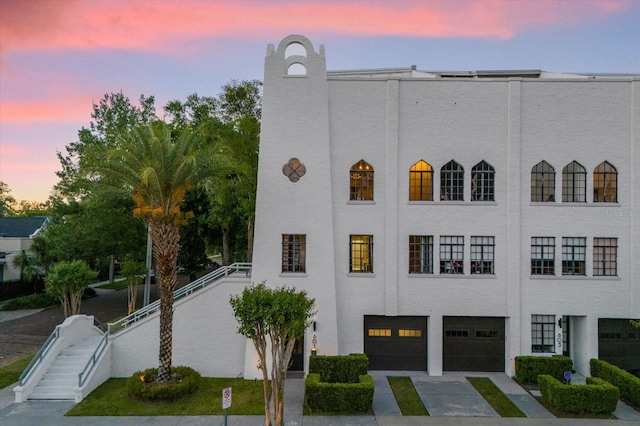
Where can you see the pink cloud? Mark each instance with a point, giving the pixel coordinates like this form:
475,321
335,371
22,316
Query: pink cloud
163,25
46,110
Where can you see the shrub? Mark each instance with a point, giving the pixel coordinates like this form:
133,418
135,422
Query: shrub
339,368
33,301
596,397
142,385
339,397
628,383
528,368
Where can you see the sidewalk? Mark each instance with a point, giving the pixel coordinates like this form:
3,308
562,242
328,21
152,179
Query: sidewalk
455,393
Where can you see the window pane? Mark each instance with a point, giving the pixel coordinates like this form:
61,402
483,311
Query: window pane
605,256
543,255
361,181
294,253
420,254
543,181
574,255
421,182
452,182
605,183
482,182
542,333
451,254
361,253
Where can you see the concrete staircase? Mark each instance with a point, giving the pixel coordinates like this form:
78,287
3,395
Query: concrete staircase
61,378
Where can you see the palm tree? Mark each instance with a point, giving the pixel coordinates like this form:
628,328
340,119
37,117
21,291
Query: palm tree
157,169
28,267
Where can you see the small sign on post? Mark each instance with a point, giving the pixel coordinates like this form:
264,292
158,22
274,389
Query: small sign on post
567,377
226,402
226,398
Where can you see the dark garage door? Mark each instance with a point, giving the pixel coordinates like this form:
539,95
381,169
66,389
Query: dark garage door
619,344
396,343
473,344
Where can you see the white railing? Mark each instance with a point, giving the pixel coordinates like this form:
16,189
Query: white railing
39,355
237,269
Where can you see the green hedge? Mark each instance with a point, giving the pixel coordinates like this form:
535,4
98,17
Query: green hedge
339,368
596,397
339,397
528,368
142,385
628,383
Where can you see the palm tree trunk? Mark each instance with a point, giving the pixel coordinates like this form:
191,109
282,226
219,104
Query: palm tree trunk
166,242
249,239
225,247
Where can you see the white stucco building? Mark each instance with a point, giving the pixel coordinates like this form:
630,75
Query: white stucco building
452,220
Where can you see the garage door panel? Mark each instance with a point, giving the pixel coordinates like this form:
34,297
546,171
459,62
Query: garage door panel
473,344
619,343
396,343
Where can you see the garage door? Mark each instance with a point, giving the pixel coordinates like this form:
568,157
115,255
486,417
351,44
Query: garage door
619,344
473,344
396,343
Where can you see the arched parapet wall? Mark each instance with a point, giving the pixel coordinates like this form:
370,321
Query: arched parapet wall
298,57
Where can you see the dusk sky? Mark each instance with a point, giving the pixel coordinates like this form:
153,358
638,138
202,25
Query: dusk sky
58,57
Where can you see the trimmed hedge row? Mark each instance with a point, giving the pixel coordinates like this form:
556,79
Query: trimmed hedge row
628,383
528,368
339,397
596,397
339,368
142,385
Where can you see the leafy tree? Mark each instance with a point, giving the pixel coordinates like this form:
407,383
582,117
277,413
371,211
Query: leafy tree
7,202
193,248
67,281
132,271
279,316
157,170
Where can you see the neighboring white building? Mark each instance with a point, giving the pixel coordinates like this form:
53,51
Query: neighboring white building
451,220
16,236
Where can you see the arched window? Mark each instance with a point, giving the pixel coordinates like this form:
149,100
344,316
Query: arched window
543,183
421,182
605,183
361,178
574,183
452,182
482,182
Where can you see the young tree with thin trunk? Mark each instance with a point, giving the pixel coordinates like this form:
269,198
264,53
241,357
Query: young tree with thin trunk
67,281
273,319
132,271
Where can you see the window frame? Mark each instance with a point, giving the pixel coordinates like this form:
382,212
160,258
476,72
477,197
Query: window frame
294,248
421,182
482,255
451,245
606,173
543,331
452,182
574,183
483,182
545,248
360,253
574,256
543,183
421,254
605,257
361,182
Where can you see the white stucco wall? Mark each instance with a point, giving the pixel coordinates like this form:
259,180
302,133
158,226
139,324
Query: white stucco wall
205,336
393,122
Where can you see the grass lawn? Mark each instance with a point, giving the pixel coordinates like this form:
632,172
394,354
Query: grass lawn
494,396
408,400
10,373
111,399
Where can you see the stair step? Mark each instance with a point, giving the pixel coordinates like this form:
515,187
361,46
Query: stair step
55,396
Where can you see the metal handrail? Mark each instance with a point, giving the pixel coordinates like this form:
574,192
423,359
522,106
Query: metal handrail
82,377
194,286
39,355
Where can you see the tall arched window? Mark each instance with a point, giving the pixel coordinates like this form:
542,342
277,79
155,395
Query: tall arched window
574,183
361,177
543,183
482,182
421,182
605,183
452,182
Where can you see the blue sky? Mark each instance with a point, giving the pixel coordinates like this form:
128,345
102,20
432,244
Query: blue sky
58,57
